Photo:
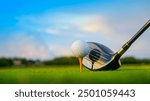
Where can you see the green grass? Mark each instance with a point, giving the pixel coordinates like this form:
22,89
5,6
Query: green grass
127,74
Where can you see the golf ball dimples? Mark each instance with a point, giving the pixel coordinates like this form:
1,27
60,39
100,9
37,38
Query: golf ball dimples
80,48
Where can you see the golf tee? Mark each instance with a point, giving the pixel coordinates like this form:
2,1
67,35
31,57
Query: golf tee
80,62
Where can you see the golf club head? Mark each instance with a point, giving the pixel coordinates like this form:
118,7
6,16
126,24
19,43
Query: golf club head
101,57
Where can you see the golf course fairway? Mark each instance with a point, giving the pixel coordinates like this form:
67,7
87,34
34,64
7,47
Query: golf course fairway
127,74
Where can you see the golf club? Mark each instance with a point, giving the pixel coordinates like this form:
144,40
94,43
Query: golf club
99,57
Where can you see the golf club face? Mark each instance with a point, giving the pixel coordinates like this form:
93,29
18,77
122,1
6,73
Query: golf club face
100,57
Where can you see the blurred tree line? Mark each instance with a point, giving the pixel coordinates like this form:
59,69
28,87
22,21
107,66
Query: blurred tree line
8,62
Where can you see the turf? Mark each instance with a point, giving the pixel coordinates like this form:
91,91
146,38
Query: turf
127,74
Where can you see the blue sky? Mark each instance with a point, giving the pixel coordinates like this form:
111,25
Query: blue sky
45,29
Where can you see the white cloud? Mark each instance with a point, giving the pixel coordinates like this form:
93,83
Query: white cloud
25,46
95,24
60,50
61,29
67,23
53,31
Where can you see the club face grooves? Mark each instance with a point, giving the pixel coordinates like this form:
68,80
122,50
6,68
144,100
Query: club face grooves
113,64
98,57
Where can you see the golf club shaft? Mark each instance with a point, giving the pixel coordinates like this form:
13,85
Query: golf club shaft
129,43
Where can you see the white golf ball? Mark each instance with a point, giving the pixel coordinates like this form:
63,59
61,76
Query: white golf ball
80,48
